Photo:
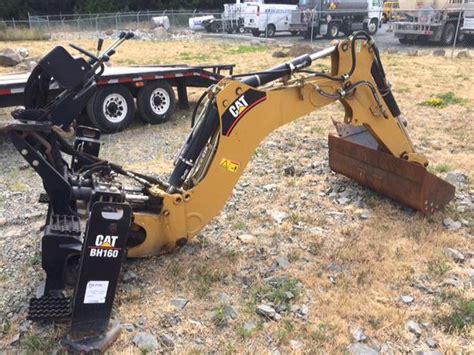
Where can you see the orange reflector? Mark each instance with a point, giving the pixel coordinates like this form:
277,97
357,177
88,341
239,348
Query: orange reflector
139,84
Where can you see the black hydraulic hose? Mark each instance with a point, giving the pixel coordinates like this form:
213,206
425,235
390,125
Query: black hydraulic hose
387,95
199,101
355,36
194,145
278,71
198,139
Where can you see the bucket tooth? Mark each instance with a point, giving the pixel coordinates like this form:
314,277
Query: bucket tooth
394,177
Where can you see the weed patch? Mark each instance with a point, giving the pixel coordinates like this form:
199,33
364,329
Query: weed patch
441,168
35,343
247,49
443,100
438,268
460,319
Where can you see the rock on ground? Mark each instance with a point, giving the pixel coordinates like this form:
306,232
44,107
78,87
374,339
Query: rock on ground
9,58
362,349
464,54
457,178
413,327
246,238
451,225
279,54
249,327
145,341
179,302
267,311
359,335
455,254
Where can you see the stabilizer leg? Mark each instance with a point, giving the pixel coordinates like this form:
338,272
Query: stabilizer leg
102,254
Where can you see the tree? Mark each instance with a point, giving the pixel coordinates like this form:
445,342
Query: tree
94,6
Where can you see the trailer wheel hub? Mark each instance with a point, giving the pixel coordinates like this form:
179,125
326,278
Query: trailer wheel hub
115,108
160,101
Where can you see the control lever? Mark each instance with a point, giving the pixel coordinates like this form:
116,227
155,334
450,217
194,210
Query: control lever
86,52
100,43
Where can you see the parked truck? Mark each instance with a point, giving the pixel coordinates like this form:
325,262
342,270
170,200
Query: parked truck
331,17
268,19
251,15
468,23
430,21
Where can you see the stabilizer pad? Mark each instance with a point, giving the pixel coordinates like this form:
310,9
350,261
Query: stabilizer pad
100,343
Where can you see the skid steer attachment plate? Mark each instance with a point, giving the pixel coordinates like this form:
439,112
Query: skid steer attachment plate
394,177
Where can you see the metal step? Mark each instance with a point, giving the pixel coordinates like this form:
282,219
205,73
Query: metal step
49,308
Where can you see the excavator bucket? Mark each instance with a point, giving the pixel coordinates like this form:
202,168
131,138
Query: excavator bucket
358,157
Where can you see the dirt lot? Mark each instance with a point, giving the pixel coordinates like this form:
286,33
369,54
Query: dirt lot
341,266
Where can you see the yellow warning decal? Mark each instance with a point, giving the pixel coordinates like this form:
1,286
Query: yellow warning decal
229,165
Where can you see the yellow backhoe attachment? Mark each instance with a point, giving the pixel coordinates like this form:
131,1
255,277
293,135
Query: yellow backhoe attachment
373,146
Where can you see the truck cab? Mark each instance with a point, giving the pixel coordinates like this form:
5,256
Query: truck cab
389,10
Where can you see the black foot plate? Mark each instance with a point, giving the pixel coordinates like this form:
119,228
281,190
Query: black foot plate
90,343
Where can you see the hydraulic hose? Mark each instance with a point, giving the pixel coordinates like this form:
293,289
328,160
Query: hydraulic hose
194,145
202,133
278,71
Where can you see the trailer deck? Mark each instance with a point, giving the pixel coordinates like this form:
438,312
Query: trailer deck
123,90
12,85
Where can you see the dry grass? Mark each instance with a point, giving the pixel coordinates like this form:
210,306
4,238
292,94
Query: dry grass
22,34
382,258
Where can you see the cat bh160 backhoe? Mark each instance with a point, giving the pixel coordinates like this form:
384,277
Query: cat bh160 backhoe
229,122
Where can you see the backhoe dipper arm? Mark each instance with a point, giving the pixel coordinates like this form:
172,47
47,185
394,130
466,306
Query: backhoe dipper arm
238,116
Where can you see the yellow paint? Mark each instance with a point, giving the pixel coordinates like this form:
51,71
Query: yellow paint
184,214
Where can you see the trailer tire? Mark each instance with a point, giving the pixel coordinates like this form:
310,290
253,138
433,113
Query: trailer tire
241,29
449,31
111,109
270,31
156,102
333,30
373,26
255,33
294,33
403,40
468,39
307,34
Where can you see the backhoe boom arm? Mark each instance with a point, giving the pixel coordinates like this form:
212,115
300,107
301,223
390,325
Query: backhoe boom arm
240,114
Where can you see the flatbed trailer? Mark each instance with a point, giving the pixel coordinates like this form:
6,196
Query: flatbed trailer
113,106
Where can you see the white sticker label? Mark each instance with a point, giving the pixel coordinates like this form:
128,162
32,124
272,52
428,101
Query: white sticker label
96,291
